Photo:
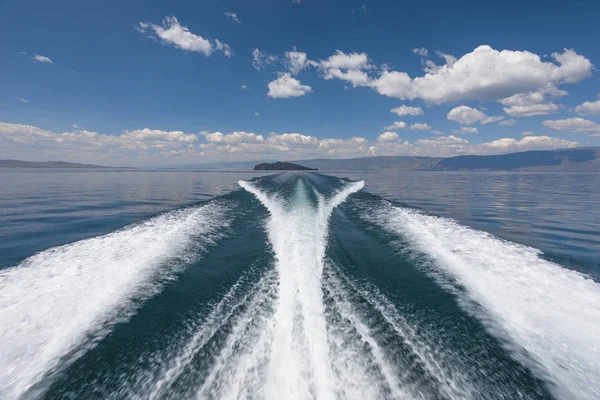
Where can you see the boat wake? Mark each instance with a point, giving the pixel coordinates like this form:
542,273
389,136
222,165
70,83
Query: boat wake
59,302
339,294
282,350
302,331
548,315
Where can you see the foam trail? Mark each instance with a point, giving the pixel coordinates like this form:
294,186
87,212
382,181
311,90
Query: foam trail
438,362
349,313
299,365
549,311
237,370
227,311
53,300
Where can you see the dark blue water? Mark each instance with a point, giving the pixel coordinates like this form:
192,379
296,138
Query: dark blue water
171,284
41,209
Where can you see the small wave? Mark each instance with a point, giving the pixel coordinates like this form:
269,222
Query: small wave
549,315
54,302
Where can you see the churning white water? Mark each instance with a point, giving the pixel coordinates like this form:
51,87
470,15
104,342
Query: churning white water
303,322
53,300
299,364
550,312
286,343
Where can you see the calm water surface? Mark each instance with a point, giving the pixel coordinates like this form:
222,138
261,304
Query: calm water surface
558,213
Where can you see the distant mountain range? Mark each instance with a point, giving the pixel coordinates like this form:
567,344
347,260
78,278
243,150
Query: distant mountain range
582,159
568,160
44,164
401,163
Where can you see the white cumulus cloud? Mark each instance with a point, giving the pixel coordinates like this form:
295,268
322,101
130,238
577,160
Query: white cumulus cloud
525,83
466,115
293,139
232,138
42,59
485,74
510,145
579,125
451,145
172,33
347,67
420,127
532,110
407,110
388,137
589,107
466,129
537,102
285,86
155,135
396,125
296,61
17,140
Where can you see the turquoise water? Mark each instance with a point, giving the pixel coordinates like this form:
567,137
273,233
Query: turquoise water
171,285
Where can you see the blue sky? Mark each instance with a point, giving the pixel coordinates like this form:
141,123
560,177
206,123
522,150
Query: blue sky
151,83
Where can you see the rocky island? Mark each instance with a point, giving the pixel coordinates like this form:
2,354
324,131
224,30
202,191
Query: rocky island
281,166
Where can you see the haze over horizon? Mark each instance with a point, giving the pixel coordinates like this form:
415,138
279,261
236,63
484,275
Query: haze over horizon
147,84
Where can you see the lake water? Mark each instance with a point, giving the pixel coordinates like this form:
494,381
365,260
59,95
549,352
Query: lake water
183,284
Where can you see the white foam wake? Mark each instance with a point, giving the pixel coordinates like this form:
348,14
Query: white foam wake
299,365
50,302
549,311
436,359
243,306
